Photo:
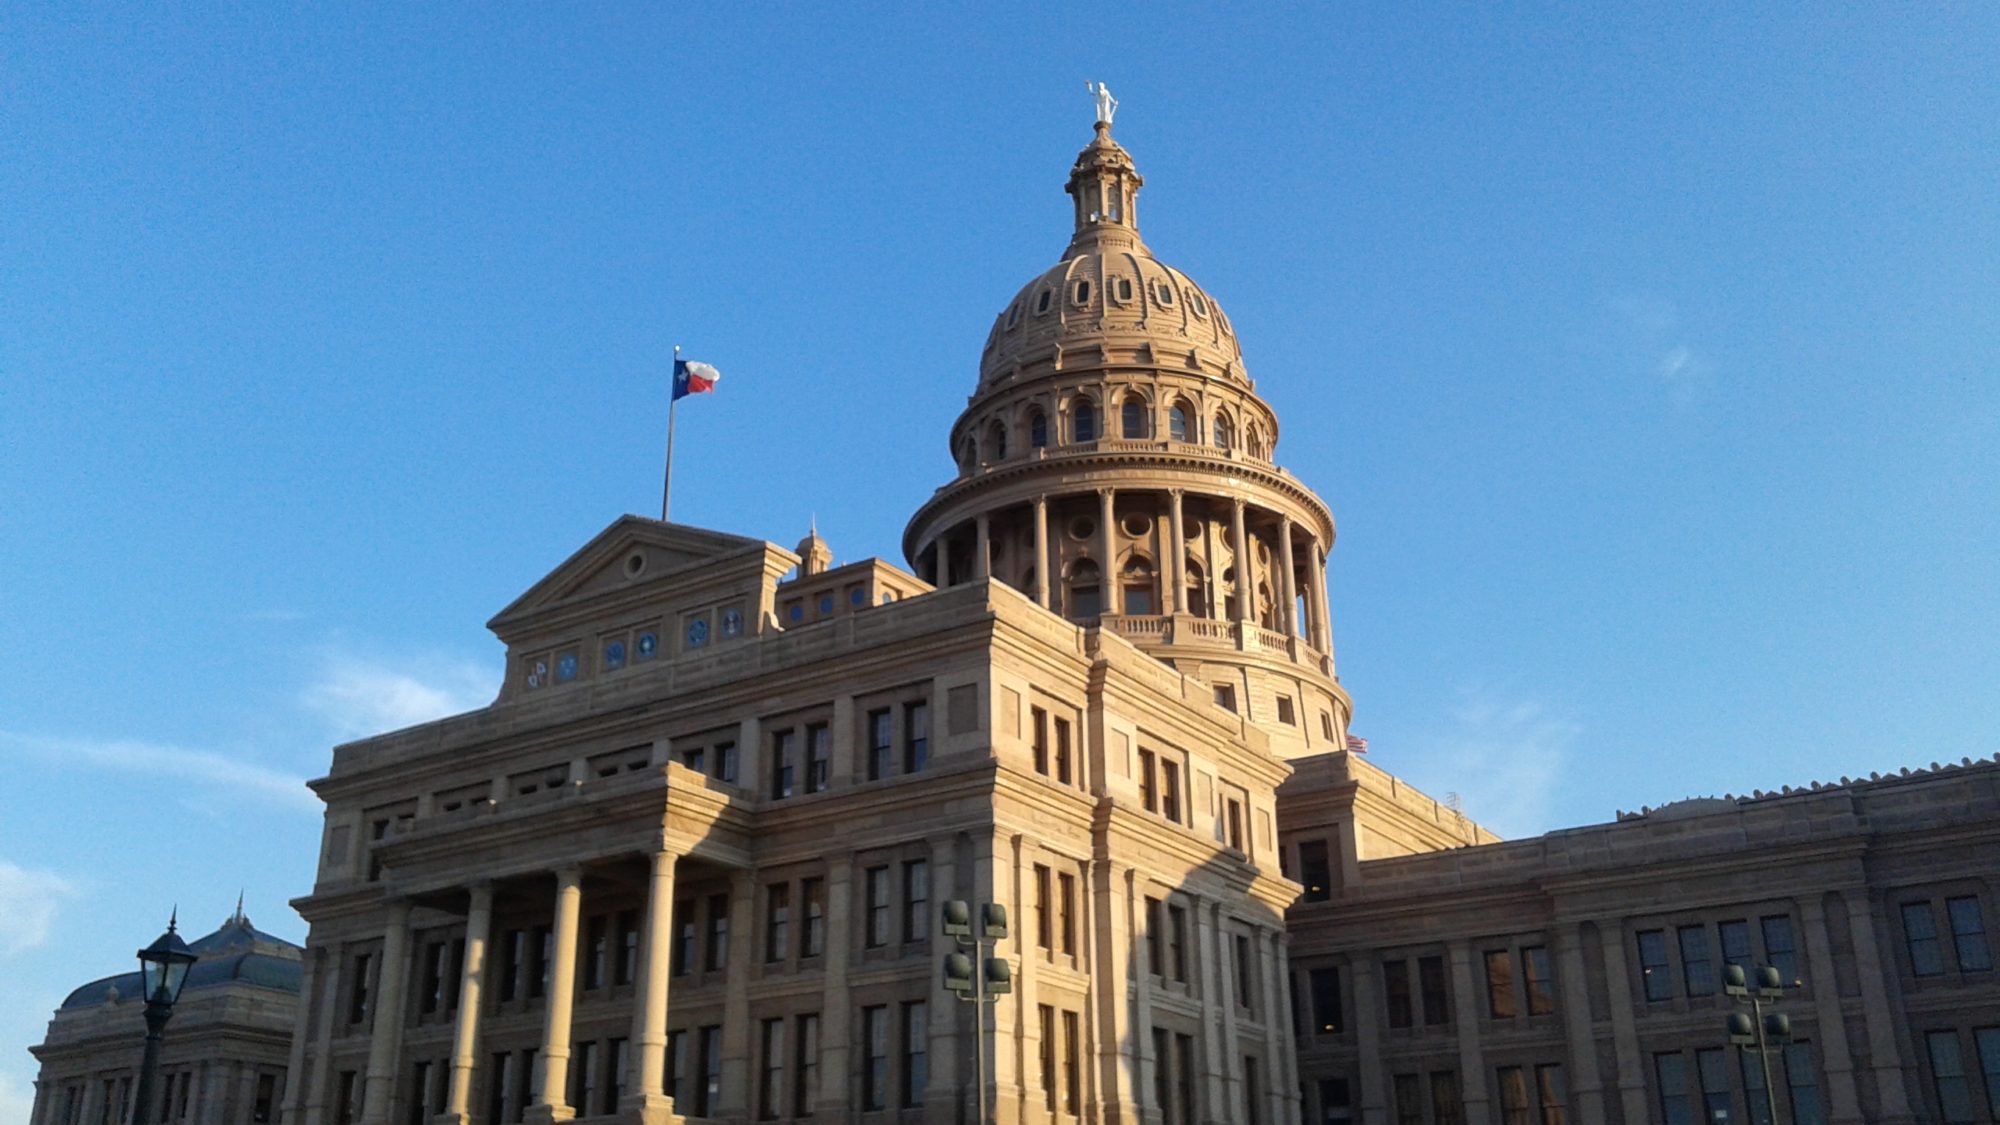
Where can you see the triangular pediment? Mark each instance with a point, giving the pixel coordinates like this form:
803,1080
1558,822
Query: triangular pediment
632,550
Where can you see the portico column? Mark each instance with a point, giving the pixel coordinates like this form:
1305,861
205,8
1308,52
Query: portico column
1177,551
1042,551
648,1101
1289,581
1239,544
386,1031
1108,536
553,1105
982,558
478,921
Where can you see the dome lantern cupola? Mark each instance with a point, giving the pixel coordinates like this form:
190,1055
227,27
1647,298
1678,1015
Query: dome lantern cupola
1104,185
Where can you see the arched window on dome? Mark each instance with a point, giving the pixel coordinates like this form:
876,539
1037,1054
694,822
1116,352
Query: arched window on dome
968,455
1197,589
1038,429
1083,420
1132,416
1136,582
996,441
1267,610
1253,440
1177,420
1225,434
1084,598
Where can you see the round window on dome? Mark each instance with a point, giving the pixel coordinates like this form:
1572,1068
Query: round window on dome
1082,527
1136,525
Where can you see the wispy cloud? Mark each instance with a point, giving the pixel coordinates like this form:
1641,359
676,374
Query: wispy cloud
202,767
1506,758
1652,327
28,904
358,695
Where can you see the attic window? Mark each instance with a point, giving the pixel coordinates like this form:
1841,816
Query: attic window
1014,315
1200,306
1124,289
1163,294
1083,292
634,565
1042,302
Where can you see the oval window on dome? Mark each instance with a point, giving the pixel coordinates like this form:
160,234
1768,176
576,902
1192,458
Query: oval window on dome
1124,289
1014,315
1042,302
1195,302
1163,294
1083,292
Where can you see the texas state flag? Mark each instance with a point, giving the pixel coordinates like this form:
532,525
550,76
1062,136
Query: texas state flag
692,378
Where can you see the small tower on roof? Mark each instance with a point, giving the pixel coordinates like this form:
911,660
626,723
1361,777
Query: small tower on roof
815,557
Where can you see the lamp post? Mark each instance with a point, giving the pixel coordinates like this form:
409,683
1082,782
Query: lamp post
1759,1031
163,969
977,979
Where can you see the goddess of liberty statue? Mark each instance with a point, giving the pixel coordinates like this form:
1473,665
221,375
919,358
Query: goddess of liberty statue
1106,104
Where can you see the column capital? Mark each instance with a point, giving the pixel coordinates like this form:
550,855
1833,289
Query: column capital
571,873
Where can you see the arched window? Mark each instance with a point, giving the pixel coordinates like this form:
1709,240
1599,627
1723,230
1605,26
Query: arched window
1267,610
996,441
1177,421
1038,429
1224,433
1085,601
1197,589
968,454
1133,416
1253,440
1137,581
1083,421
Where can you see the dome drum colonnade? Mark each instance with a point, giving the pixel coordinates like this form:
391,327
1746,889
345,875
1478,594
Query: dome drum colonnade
1115,462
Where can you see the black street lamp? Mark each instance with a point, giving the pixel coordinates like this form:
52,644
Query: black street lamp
978,980
1760,1031
163,969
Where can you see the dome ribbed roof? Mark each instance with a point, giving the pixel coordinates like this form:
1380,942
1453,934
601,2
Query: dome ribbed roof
1109,292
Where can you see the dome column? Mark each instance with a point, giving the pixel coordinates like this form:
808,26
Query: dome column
982,547
1108,592
1290,616
1322,629
1042,551
1239,544
1177,552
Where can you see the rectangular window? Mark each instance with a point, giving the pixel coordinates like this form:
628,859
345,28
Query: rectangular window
1553,1092
1315,870
1170,790
1041,739
1921,939
916,898
1066,910
542,945
614,1076
1225,698
1253,1095
525,1080
1149,779
1954,1095
1184,1073
1062,751
676,1067
1044,914
1670,1074
1430,978
805,1069
725,762
916,736
1987,1039
718,932
916,1052
1802,1085
1735,937
1177,942
1396,990
345,1103
1968,934
1233,824
1409,1090
1285,713
1697,971
771,1075
1539,976
1653,969
1045,1017
1753,1088
628,949
1246,971
1780,949
682,957
583,1077
777,921
695,758
819,758
596,950
357,994
432,997
1324,987
1446,1109
1500,986
784,763
881,747
876,888
708,1094
812,934
1072,1066
1336,1102
1711,1066
875,1058
1514,1097
1156,939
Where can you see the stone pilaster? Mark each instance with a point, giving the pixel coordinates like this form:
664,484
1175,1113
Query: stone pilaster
1624,1034
1586,1089
385,1038
1894,1101
1465,1013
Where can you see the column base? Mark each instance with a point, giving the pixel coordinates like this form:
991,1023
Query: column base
548,1114
649,1109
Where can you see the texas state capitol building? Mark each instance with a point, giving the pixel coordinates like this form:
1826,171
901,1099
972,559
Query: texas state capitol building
688,864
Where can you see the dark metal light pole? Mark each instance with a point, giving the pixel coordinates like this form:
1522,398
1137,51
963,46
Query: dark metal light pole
1760,1031
163,968
978,980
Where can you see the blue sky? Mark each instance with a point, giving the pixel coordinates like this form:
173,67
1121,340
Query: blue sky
1647,360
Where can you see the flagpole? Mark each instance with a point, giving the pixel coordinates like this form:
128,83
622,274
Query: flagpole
667,481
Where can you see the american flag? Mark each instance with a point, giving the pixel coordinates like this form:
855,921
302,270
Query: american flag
1357,744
